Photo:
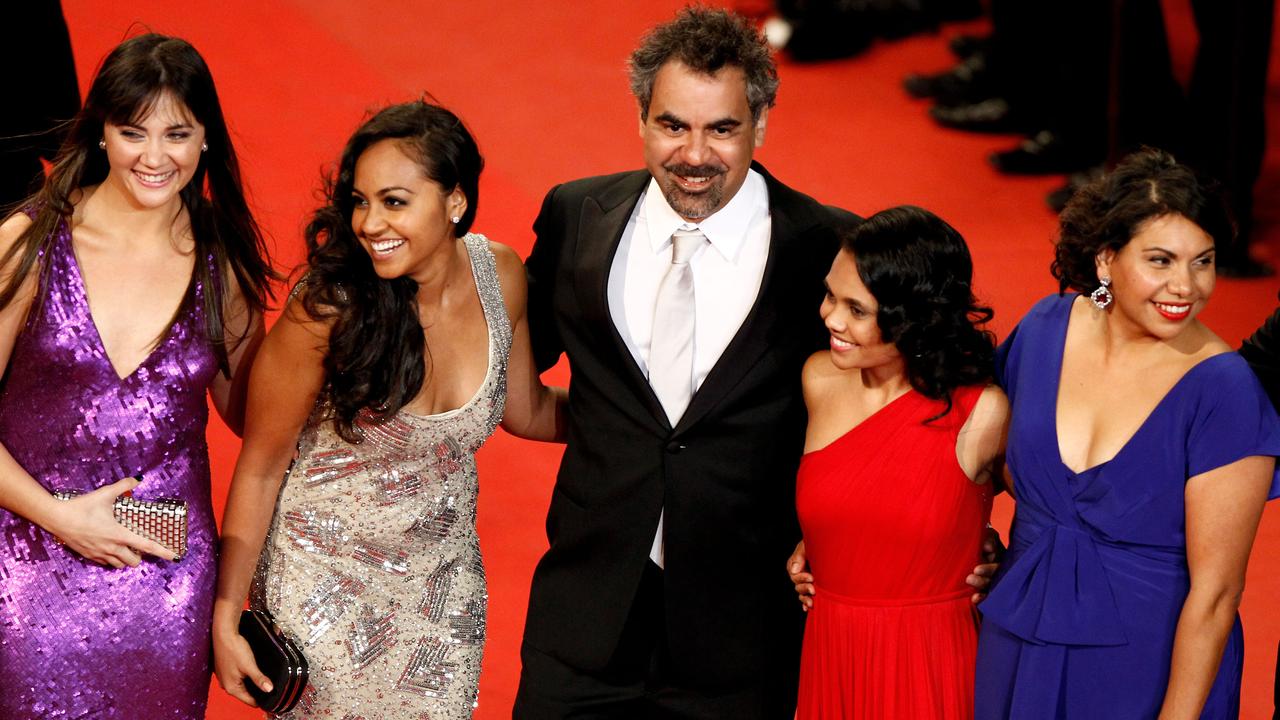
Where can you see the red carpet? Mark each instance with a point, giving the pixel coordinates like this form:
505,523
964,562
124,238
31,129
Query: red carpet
543,86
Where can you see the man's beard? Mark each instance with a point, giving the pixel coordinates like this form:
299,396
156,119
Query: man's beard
692,206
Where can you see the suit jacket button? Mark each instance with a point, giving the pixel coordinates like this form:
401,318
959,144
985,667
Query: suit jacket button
674,447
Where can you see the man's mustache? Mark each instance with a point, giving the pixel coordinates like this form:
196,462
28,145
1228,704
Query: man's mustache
695,170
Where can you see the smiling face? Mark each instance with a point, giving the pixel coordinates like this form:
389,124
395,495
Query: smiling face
849,312
1163,277
401,217
154,157
699,137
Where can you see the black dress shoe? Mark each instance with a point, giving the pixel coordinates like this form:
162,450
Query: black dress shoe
965,83
954,10
825,39
1045,153
964,46
993,115
1058,198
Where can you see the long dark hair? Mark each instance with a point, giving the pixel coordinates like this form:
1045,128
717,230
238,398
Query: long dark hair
130,82
919,270
376,360
1108,212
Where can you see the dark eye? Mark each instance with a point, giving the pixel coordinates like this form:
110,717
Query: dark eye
392,201
179,136
357,201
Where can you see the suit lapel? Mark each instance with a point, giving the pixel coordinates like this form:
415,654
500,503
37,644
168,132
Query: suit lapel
759,330
604,218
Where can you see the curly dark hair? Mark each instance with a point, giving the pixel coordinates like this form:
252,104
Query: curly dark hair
377,359
919,270
131,80
706,40
1108,212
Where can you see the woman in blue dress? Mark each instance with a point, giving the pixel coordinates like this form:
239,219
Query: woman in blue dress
1141,452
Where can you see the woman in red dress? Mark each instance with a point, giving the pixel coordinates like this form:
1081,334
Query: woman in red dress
904,439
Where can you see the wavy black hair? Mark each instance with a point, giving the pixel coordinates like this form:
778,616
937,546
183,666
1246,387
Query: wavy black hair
919,270
132,78
1108,212
377,359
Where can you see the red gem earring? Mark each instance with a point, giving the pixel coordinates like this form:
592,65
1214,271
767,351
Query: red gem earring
1102,297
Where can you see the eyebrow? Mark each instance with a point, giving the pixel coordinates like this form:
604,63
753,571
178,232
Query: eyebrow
725,122
179,126
1157,248
385,190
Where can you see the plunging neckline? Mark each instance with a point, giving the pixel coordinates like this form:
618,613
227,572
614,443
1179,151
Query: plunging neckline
488,331
82,289
1057,392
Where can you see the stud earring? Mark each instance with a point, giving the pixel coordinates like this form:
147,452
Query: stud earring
1102,297
455,219
204,146
102,144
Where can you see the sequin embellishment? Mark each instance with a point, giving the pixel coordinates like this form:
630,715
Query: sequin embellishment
373,557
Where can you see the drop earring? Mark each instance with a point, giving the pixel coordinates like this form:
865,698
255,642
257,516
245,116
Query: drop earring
1102,297
204,146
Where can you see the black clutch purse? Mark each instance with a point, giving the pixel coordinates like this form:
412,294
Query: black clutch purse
278,658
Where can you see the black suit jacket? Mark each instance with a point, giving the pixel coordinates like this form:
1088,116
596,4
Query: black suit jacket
1262,351
725,475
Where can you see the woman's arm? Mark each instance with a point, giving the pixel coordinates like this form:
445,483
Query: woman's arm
243,332
1224,507
981,442
86,524
534,411
284,381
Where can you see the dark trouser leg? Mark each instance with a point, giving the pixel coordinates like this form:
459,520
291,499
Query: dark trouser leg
1228,89
550,689
638,683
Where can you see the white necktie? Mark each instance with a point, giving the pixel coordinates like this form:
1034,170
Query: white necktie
671,346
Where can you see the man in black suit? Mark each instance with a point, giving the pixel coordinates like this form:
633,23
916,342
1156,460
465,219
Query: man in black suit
663,593
1262,351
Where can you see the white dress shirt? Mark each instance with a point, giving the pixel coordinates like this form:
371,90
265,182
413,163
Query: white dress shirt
726,277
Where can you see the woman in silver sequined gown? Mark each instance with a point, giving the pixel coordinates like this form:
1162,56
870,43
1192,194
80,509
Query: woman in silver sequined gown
399,353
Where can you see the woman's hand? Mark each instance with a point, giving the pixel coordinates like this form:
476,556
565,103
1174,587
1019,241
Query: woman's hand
800,577
233,663
87,524
992,555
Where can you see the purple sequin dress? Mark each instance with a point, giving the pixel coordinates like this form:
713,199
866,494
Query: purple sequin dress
79,640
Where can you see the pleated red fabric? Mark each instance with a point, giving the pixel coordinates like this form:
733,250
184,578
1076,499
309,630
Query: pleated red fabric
892,527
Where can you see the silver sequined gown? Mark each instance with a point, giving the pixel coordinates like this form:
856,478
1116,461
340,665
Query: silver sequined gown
372,562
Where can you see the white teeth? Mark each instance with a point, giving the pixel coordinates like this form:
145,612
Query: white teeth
156,178
1174,309
840,344
694,180
382,247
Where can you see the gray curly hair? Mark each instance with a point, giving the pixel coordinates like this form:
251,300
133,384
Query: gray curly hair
706,40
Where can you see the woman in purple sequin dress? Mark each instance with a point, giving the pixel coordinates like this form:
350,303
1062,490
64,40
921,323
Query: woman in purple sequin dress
132,286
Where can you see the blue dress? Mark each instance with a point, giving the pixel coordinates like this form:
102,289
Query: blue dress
1081,619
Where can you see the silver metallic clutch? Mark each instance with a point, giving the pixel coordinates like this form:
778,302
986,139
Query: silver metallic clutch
163,521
